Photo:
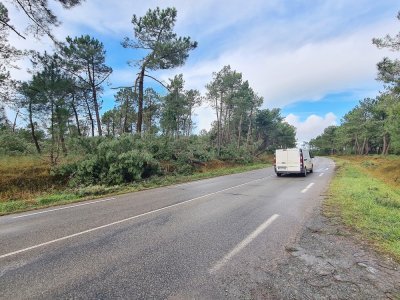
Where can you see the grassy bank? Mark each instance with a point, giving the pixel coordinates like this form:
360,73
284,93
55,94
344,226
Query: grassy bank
365,194
29,197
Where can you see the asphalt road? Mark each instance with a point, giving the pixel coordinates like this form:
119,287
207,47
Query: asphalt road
203,239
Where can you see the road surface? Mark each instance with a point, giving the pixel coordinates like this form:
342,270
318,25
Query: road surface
203,239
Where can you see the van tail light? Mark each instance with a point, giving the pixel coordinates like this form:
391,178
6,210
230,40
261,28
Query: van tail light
274,160
301,160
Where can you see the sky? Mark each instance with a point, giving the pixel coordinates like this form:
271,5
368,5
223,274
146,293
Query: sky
312,59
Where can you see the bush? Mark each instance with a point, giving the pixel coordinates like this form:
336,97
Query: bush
111,162
231,153
12,143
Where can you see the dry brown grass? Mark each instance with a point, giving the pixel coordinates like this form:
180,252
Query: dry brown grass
28,177
24,177
384,168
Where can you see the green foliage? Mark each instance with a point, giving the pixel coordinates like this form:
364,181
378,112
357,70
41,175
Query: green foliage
111,161
371,127
368,205
273,132
14,143
154,32
177,109
231,153
164,49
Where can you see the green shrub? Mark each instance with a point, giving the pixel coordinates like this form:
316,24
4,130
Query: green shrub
111,162
13,144
231,153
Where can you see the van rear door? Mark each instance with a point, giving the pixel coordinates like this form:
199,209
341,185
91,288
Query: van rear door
293,160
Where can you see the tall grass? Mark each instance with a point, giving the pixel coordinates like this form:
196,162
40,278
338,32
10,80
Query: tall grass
367,204
24,177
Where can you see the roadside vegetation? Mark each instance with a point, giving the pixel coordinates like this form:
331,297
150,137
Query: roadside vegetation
365,194
47,191
373,126
61,146
366,190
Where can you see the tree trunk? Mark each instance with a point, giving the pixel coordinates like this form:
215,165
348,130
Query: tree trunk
226,123
96,110
33,128
356,145
140,102
218,121
385,147
76,116
15,121
150,114
108,128
60,130
125,125
367,148
94,94
250,126
239,131
361,150
219,127
52,158
90,115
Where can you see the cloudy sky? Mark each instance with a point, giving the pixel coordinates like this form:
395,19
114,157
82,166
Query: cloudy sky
312,59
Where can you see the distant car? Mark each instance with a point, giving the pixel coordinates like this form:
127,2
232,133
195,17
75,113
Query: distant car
293,161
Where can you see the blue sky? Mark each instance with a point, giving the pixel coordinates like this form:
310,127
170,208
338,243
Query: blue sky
312,59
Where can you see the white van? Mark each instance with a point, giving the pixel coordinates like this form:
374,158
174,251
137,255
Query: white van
296,161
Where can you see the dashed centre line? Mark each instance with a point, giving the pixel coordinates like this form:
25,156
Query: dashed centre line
123,220
307,187
322,174
243,244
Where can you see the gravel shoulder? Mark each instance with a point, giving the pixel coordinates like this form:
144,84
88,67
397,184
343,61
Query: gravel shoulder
328,262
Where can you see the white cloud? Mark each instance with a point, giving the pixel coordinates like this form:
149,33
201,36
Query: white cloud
312,127
204,116
288,50
308,72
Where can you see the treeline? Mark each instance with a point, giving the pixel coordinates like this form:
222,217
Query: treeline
146,133
373,126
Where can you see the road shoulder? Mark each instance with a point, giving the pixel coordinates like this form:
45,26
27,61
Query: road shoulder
327,262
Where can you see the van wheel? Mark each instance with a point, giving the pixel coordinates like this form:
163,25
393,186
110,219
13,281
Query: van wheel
278,174
312,169
305,172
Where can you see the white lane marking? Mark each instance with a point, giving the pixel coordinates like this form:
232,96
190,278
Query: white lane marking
191,182
124,220
243,244
308,187
61,208
322,174
326,169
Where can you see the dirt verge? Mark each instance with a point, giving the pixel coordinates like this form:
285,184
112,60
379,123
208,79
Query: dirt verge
327,262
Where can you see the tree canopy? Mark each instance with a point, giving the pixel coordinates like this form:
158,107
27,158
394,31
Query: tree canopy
165,50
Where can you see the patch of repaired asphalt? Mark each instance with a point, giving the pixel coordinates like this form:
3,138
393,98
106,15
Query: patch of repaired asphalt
327,262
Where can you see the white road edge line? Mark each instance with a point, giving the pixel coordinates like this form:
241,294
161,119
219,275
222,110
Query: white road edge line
308,187
61,208
243,244
123,220
322,174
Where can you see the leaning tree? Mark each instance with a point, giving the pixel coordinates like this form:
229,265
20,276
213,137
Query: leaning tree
164,49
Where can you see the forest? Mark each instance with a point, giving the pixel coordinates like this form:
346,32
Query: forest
150,131
373,126
59,116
